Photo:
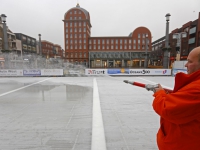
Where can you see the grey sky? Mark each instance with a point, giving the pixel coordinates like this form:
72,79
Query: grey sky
108,17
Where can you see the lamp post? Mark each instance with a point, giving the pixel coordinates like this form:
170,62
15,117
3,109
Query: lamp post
5,38
178,36
40,47
165,60
146,47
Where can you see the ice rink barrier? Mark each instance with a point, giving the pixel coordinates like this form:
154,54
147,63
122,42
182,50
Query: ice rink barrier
31,72
130,72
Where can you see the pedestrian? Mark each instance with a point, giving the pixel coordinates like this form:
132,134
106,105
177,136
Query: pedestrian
179,111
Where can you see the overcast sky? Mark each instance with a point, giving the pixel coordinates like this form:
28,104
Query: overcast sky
108,17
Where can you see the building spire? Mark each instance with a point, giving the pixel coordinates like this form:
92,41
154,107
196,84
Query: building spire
77,5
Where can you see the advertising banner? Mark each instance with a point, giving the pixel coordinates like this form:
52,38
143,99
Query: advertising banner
51,72
149,71
11,72
32,72
95,71
121,71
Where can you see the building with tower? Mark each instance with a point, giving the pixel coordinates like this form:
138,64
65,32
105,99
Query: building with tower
103,52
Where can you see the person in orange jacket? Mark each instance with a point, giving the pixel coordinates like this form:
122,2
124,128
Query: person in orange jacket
179,111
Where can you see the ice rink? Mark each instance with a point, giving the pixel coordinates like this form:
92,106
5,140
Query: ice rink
78,113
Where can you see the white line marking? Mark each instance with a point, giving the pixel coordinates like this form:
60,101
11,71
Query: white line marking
23,87
155,83
98,137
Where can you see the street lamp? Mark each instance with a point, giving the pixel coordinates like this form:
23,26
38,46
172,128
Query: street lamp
146,47
40,49
178,36
165,60
3,17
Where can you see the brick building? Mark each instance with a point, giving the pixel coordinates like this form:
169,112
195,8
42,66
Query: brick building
179,46
102,52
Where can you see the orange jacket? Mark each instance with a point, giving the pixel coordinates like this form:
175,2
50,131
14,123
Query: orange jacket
179,114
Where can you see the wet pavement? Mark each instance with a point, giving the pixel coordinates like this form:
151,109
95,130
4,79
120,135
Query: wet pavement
57,113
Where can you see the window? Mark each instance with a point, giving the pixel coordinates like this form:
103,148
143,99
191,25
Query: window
103,47
94,41
112,41
94,46
138,35
80,36
79,24
84,46
70,18
129,46
129,41
107,47
125,41
84,35
74,18
79,12
70,29
103,42
66,24
84,40
75,30
84,29
90,47
98,46
75,41
138,41
116,47
90,42
84,55
107,41
134,41
80,47
80,41
79,18
71,36
120,46
70,24
120,41
66,35
74,11
143,46
70,12
84,24
66,30
98,41
79,29
116,41
80,54
75,24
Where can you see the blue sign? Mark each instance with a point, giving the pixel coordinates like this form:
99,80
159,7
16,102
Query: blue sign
31,72
118,71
